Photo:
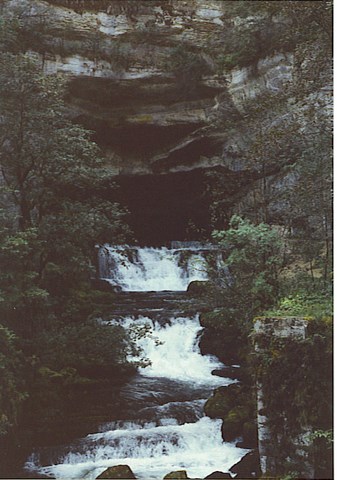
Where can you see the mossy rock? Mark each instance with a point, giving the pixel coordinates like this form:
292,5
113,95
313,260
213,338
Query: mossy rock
216,406
231,430
222,336
224,345
118,471
179,474
238,414
233,423
221,319
222,401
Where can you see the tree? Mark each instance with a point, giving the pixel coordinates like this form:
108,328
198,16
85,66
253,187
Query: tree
12,388
53,181
311,194
48,166
253,260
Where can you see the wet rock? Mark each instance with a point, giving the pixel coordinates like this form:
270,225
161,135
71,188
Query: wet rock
179,474
118,471
218,475
104,285
247,467
249,436
229,372
213,342
198,287
235,405
222,336
233,423
222,401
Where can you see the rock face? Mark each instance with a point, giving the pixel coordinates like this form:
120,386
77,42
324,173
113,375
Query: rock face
270,74
283,327
277,327
121,60
148,78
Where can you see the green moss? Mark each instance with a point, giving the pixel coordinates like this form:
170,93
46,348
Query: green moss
237,414
216,406
305,304
222,401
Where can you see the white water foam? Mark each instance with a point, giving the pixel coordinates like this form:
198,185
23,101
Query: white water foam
153,452
174,353
166,440
151,269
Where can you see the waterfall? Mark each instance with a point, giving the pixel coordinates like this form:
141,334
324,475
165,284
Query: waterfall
152,269
177,340
162,427
152,452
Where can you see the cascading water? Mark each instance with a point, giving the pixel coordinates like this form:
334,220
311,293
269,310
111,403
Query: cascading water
152,269
163,427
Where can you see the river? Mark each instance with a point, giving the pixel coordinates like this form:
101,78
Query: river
162,426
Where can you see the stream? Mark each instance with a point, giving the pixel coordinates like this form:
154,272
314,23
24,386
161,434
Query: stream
162,427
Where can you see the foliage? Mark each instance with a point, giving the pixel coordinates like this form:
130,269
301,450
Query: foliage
253,260
326,434
187,67
83,346
52,215
48,166
12,387
257,29
316,305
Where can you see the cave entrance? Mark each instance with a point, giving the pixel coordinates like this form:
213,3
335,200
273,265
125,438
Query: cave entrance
166,207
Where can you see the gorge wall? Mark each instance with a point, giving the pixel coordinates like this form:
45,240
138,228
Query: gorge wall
166,105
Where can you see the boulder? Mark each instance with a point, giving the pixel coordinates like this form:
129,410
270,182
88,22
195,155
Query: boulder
118,471
198,287
177,475
219,475
232,425
222,401
222,336
248,466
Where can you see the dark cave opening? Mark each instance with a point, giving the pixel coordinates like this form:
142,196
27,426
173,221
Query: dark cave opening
173,206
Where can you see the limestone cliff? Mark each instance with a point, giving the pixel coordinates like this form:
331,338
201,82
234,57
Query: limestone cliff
124,84
167,85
